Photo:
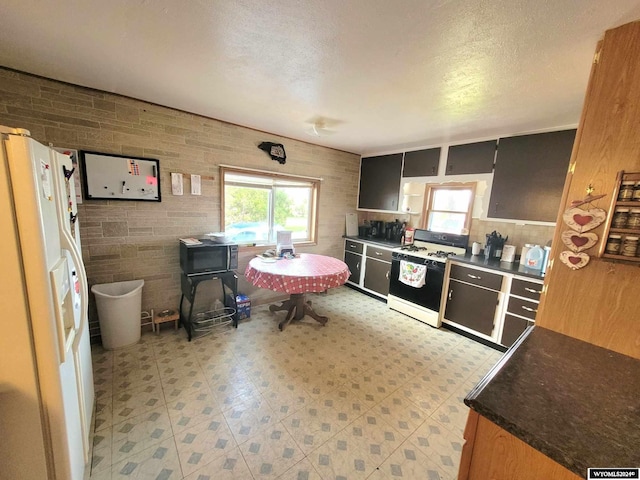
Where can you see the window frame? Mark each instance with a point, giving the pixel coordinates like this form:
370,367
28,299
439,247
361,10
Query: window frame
430,196
313,201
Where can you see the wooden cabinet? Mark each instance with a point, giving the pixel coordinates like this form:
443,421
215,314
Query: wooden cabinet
421,163
529,176
380,182
472,299
370,266
471,158
491,452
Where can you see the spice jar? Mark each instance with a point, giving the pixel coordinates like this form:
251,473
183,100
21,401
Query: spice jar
625,194
620,218
634,218
636,192
630,246
613,244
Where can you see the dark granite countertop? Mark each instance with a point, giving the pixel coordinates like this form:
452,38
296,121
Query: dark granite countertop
577,403
495,264
375,241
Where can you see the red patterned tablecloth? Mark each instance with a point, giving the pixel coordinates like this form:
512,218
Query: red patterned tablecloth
303,274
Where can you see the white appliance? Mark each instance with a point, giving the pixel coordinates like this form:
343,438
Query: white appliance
46,378
429,251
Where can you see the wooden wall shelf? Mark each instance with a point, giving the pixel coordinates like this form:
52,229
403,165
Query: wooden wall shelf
615,203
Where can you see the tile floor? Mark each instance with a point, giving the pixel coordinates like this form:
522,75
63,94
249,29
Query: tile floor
372,395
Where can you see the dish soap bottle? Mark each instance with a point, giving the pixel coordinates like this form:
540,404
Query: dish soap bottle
534,258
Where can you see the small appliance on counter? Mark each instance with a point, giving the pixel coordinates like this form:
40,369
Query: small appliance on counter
508,254
377,228
493,247
393,231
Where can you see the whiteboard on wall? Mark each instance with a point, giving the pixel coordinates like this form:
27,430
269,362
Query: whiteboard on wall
119,177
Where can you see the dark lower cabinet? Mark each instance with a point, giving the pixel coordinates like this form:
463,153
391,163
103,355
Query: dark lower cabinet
376,276
513,328
380,182
471,307
354,262
529,176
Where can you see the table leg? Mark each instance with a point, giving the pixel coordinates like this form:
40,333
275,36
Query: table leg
297,307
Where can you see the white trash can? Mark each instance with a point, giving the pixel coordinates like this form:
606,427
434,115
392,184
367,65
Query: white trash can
119,306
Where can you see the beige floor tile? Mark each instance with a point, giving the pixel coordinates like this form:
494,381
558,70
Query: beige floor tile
440,445
303,470
271,452
407,462
247,418
183,383
103,413
420,392
401,413
128,378
101,458
229,466
192,409
200,444
453,413
139,433
136,401
342,456
310,428
157,462
101,475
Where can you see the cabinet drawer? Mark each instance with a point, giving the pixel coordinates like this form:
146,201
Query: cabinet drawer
522,288
512,329
379,253
355,247
476,277
524,308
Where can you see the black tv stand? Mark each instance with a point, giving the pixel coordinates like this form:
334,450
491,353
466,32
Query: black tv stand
189,286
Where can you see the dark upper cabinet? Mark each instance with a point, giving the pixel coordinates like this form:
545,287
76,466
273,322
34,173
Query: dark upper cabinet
471,158
380,182
421,163
529,176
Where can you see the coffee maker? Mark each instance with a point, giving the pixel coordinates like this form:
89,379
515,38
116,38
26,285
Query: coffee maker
377,228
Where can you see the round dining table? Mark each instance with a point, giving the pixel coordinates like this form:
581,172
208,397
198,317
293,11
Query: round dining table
305,273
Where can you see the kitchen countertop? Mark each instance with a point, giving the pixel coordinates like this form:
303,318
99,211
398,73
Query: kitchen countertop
495,264
375,241
577,403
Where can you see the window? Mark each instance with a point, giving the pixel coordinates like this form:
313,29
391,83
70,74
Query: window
257,204
449,207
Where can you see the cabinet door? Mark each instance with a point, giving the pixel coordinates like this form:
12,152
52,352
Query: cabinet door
376,276
472,307
421,163
380,182
512,329
354,262
529,176
471,158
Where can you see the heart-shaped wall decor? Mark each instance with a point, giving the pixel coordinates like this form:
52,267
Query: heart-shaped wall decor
573,260
577,241
584,220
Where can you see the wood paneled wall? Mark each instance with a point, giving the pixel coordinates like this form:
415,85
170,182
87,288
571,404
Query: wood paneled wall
600,303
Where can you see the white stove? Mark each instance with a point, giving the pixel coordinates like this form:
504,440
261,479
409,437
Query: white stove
429,252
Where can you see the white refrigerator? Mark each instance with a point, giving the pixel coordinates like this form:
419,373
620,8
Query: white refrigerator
46,378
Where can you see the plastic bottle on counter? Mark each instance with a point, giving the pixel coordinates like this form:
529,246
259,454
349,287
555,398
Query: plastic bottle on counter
534,258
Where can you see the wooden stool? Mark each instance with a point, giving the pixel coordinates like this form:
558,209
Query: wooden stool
165,316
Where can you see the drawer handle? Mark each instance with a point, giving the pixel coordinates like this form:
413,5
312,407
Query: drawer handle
532,290
475,277
450,293
352,245
358,266
528,309
378,253
387,274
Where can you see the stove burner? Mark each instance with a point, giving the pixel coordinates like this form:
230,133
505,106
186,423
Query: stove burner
412,248
440,254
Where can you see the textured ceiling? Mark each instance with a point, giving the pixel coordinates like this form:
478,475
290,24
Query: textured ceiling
383,75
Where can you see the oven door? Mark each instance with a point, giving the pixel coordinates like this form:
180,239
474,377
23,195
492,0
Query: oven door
429,294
